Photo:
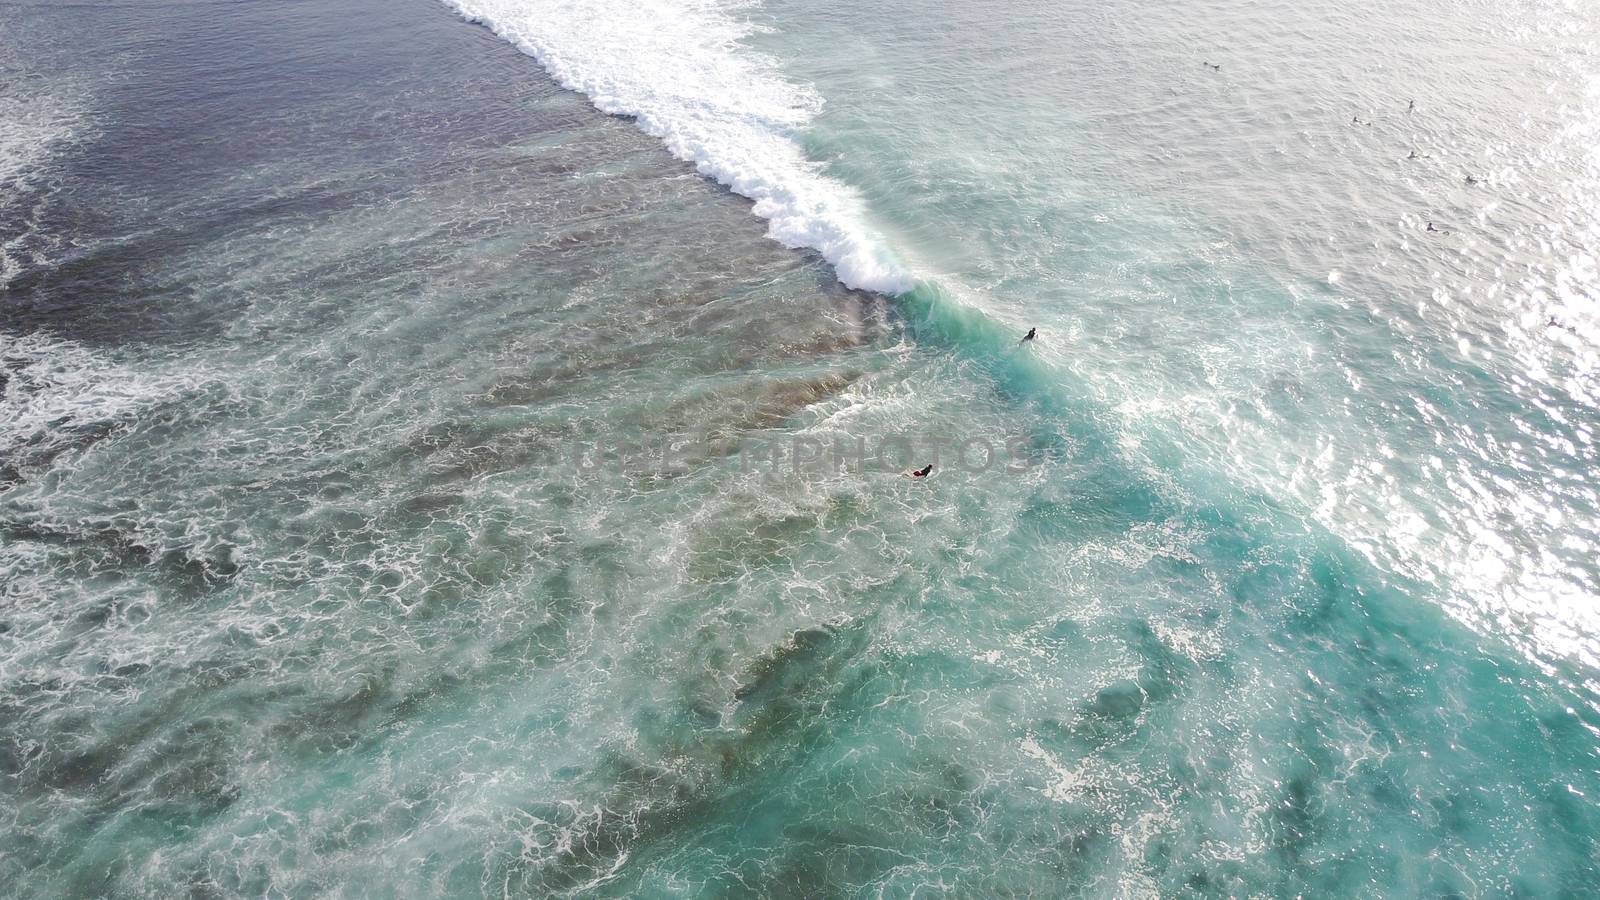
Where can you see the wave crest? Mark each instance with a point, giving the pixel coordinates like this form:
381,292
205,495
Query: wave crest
680,69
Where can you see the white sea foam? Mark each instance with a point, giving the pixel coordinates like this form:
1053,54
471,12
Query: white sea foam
55,390
28,127
681,69
33,125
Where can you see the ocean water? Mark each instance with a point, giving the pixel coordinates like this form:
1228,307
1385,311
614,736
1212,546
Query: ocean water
455,449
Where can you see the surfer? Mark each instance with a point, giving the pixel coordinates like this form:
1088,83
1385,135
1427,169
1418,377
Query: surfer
1411,106
922,472
1471,179
1032,333
1436,230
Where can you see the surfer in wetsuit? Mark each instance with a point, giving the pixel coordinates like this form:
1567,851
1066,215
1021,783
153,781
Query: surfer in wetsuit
1032,333
922,472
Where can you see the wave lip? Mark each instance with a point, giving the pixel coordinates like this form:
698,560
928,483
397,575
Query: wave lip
680,70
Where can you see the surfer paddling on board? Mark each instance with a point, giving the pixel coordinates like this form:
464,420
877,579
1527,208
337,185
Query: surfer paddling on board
1032,333
922,472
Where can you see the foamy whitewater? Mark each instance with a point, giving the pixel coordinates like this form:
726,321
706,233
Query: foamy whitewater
680,70
57,391
462,450
34,122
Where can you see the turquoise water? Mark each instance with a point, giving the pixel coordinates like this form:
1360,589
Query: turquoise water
415,481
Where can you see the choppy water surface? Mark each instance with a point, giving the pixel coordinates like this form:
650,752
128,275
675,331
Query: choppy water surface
333,338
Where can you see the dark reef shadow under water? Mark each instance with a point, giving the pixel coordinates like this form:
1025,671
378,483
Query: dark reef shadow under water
290,608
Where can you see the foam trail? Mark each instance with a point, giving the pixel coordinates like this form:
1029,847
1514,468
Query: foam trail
32,126
678,68
29,126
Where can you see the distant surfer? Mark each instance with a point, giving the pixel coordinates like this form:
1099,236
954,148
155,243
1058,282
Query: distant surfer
1411,106
1471,179
1032,333
1215,66
1356,120
922,472
1434,230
